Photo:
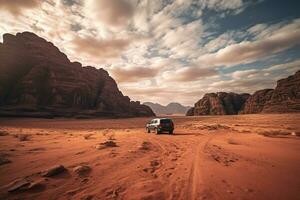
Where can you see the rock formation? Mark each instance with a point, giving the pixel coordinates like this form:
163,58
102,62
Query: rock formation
284,98
220,103
38,80
255,103
190,112
171,108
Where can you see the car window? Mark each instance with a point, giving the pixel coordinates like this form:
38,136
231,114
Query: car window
165,121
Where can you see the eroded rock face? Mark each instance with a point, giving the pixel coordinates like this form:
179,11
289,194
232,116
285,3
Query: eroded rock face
256,102
286,96
220,103
190,112
36,79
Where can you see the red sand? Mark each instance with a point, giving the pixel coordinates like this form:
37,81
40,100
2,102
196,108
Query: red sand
215,157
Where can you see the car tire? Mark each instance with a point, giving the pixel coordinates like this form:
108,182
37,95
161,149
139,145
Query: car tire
148,130
171,132
157,131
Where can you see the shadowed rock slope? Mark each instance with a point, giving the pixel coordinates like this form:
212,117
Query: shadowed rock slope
220,103
37,80
256,102
285,98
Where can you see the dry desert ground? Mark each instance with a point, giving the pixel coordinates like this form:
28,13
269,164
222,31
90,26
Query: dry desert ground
209,157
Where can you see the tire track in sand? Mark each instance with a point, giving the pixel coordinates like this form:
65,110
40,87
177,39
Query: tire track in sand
196,186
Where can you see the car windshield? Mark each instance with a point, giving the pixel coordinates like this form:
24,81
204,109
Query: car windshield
165,121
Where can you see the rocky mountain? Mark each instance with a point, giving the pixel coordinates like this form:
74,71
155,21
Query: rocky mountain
220,103
38,80
284,98
255,103
171,108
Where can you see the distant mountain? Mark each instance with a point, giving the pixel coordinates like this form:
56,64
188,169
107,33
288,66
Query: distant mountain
171,108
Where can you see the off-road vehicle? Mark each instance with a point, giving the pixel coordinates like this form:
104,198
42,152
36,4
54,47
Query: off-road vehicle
160,125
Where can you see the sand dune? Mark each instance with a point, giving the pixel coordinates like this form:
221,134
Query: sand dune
215,157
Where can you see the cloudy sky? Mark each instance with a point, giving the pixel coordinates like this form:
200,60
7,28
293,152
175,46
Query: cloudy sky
169,50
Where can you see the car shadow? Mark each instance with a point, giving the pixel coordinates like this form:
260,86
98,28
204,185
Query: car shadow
181,134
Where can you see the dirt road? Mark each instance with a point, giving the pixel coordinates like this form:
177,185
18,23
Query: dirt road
226,157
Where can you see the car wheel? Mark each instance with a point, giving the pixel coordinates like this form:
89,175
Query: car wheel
157,131
171,132
148,130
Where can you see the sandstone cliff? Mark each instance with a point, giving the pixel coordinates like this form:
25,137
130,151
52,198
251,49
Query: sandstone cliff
256,102
36,79
220,103
286,96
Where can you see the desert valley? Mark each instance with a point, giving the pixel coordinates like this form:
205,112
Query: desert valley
221,156
171,100
209,157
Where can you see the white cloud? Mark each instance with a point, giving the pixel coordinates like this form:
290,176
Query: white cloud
16,7
250,51
133,74
189,74
290,67
184,40
100,48
111,13
161,23
221,4
221,41
244,74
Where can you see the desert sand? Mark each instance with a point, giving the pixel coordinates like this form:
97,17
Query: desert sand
209,157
